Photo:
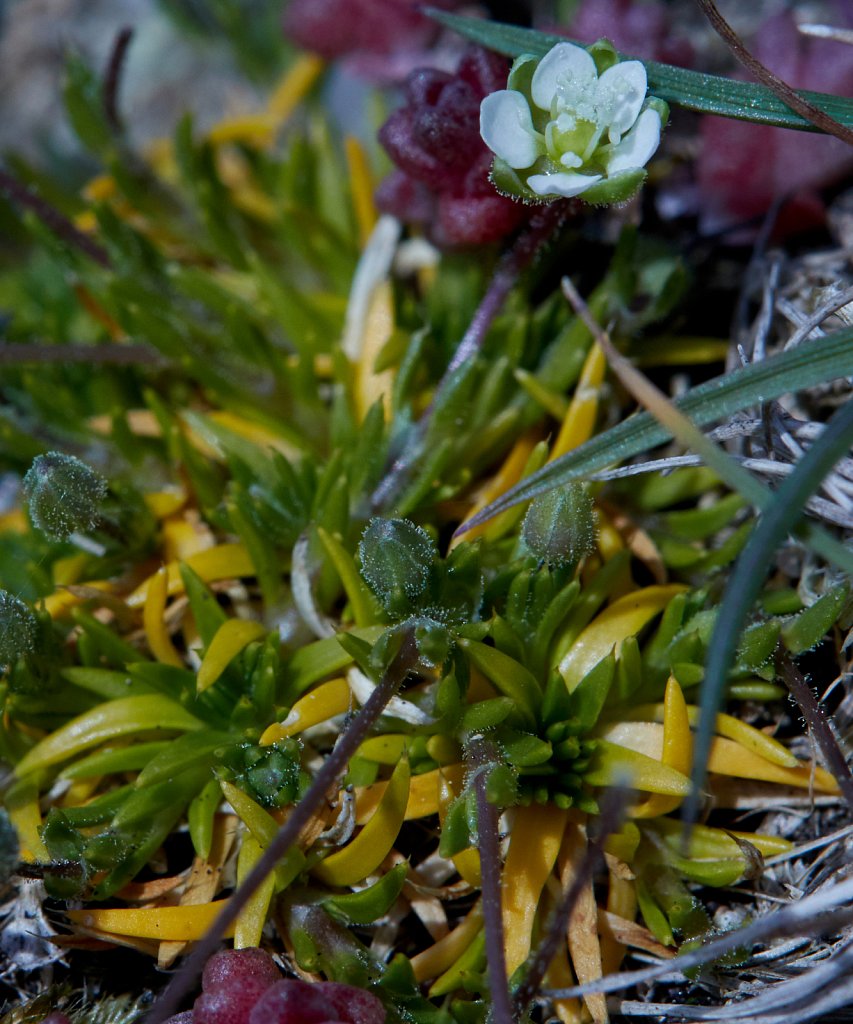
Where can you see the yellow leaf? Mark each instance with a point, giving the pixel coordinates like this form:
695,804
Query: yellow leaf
443,954
609,539
80,791
163,504
320,704
263,828
204,880
580,419
507,476
363,855
295,85
624,618
534,844
252,129
377,330
730,727
726,757
100,188
68,570
22,805
231,637
750,738
159,641
677,749
423,794
223,562
729,758
186,924
180,539
361,184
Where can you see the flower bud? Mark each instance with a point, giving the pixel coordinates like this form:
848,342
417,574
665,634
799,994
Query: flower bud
396,561
64,495
559,526
433,641
18,628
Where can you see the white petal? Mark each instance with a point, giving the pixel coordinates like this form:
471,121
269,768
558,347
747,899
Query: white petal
627,83
362,687
638,145
565,62
507,128
566,185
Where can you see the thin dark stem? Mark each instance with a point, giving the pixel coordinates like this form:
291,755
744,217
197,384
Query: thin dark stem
818,723
112,77
52,219
325,779
481,755
610,818
542,226
20,354
821,913
764,75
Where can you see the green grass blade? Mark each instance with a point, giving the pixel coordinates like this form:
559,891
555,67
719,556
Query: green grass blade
805,366
707,94
749,573
685,431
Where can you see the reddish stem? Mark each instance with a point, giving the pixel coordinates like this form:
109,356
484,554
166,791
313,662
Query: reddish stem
113,76
52,219
541,227
482,755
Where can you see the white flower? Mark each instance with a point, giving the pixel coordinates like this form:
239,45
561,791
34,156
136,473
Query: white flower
564,129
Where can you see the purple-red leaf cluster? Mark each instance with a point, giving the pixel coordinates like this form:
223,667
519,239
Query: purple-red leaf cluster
244,986
443,165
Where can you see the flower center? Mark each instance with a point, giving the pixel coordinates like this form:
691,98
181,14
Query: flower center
581,111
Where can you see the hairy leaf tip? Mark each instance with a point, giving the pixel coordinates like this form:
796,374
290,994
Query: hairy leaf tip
396,561
559,526
18,628
64,495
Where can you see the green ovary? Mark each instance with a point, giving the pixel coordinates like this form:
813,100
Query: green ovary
569,134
